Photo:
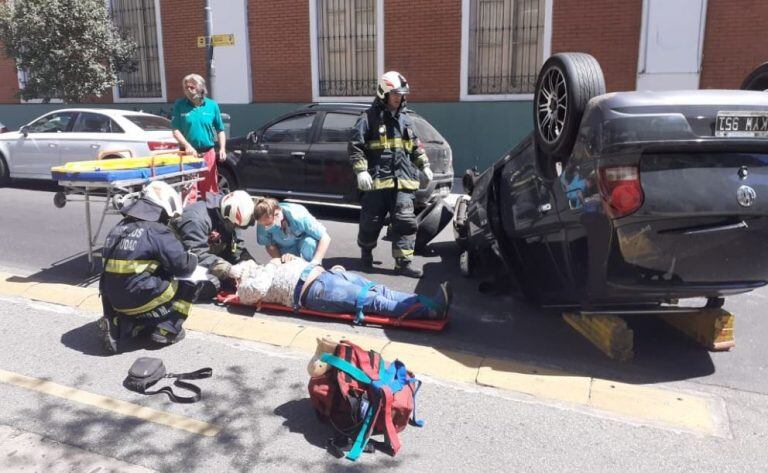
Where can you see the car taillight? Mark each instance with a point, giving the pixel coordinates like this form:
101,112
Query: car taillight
620,189
162,145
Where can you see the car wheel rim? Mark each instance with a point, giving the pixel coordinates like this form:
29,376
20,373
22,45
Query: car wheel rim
223,185
551,105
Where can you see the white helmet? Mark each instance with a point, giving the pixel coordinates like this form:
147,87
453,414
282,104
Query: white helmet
237,207
392,81
164,196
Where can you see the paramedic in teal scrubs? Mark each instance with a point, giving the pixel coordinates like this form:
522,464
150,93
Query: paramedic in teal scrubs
288,230
198,127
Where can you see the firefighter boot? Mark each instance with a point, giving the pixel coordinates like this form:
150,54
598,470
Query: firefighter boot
403,267
366,258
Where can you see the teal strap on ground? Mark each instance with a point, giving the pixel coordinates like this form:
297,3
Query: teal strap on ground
359,316
347,367
362,438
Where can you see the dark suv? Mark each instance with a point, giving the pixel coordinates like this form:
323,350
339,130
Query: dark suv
303,155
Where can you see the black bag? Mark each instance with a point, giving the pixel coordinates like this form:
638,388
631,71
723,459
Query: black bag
147,371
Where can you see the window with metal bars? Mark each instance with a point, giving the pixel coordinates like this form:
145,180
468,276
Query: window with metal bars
137,20
346,47
506,40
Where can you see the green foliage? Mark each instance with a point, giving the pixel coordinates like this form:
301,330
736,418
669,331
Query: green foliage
70,49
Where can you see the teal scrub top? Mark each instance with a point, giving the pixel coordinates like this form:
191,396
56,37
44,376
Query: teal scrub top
199,125
300,225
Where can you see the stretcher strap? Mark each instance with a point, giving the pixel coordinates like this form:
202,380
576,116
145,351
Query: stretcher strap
359,316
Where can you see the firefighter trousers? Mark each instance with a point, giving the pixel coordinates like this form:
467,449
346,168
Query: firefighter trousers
398,204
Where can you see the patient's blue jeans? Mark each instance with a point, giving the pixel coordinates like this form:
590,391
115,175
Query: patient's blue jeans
337,291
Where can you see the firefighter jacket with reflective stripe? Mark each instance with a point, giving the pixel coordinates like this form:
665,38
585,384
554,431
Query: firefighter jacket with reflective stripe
141,260
212,238
387,147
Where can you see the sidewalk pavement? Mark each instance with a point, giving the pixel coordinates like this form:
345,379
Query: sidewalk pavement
653,406
24,451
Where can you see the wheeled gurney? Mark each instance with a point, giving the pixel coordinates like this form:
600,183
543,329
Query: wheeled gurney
116,182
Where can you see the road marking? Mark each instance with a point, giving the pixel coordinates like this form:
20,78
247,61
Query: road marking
109,404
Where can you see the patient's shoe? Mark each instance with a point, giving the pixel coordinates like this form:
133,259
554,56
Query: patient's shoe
442,301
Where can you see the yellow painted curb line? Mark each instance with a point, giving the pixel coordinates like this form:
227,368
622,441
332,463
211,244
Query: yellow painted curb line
12,288
653,405
109,404
539,382
447,364
59,293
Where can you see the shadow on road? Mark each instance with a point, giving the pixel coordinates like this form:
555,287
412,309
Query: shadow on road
72,270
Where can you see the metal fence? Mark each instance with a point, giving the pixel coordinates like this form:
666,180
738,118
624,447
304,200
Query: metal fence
136,19
505,45
346,45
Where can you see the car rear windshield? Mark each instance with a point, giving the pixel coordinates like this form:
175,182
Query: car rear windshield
425,131
150,122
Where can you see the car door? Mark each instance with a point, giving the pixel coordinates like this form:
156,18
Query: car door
328,170
33,155
275,163
90,133
530,208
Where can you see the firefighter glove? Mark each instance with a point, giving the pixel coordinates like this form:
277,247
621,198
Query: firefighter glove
364,181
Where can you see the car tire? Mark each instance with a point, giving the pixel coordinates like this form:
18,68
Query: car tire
757,79
566,83
431,221
227,182
4,172
460,221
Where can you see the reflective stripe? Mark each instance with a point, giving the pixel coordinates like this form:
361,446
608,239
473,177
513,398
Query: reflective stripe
383,183
389,183
396,143
421,160
359,165
182,307
122,266
401,253
166,296
408,184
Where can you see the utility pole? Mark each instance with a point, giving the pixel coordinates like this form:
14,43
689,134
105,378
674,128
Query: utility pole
210,67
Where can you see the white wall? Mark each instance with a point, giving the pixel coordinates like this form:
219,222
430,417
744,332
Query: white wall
671,42
232,82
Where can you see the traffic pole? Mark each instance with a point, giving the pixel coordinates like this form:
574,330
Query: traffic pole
210,67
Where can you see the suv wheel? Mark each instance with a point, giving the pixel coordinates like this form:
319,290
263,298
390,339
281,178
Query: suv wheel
757,79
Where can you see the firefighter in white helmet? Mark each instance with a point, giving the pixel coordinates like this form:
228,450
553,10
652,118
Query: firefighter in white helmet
387,156
211,230
142,259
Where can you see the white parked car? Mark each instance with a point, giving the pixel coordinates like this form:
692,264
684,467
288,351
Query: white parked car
81,134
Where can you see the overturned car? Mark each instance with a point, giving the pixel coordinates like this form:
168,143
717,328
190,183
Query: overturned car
624,199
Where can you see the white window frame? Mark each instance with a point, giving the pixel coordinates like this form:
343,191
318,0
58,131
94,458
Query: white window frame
314,54
161,63
464,94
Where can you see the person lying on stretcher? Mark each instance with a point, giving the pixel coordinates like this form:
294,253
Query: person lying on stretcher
299,284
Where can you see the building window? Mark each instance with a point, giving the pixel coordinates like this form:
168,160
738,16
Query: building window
506,45
138,20
347,39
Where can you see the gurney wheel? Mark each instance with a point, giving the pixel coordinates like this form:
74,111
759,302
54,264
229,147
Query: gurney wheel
59,200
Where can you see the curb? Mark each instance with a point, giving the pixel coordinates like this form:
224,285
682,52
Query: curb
658,407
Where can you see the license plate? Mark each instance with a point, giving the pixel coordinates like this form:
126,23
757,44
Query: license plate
752,124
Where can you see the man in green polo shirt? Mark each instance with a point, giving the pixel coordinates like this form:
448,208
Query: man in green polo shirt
197,126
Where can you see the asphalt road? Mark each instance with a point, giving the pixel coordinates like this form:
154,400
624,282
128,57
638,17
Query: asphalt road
470,426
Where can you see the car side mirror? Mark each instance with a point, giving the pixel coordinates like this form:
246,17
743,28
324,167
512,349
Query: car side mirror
253,138
24,131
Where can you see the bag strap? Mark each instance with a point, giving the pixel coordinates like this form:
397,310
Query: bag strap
198,374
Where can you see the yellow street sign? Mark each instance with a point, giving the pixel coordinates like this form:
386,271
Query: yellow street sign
216,40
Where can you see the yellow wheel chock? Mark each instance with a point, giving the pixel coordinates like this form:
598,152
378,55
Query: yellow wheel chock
609,333
712,328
